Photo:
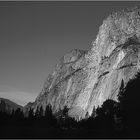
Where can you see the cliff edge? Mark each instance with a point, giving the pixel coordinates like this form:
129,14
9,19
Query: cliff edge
84,79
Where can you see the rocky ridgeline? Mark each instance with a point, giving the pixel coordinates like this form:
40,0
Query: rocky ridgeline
8,106
83,80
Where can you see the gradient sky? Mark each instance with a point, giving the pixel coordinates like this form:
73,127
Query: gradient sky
34,35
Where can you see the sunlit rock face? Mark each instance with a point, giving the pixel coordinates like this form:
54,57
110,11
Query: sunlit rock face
83,80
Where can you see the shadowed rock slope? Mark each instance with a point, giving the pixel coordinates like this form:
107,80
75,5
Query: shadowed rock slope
8,106
83,80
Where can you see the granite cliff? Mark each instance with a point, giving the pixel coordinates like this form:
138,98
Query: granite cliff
84,79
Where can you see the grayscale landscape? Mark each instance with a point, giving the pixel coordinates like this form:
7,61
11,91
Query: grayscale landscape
70,68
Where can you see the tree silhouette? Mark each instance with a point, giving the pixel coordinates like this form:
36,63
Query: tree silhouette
129,106
105,115
18,114
31,114
37,112
41,112
121,95
2,106
49,117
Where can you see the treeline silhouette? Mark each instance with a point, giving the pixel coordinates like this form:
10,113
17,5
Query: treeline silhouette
112,120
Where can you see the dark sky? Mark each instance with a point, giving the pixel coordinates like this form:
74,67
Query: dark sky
34,35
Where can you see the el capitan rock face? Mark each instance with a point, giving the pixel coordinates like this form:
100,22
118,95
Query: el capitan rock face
84,79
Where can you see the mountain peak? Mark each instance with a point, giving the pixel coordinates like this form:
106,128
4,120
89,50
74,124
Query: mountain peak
83,80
